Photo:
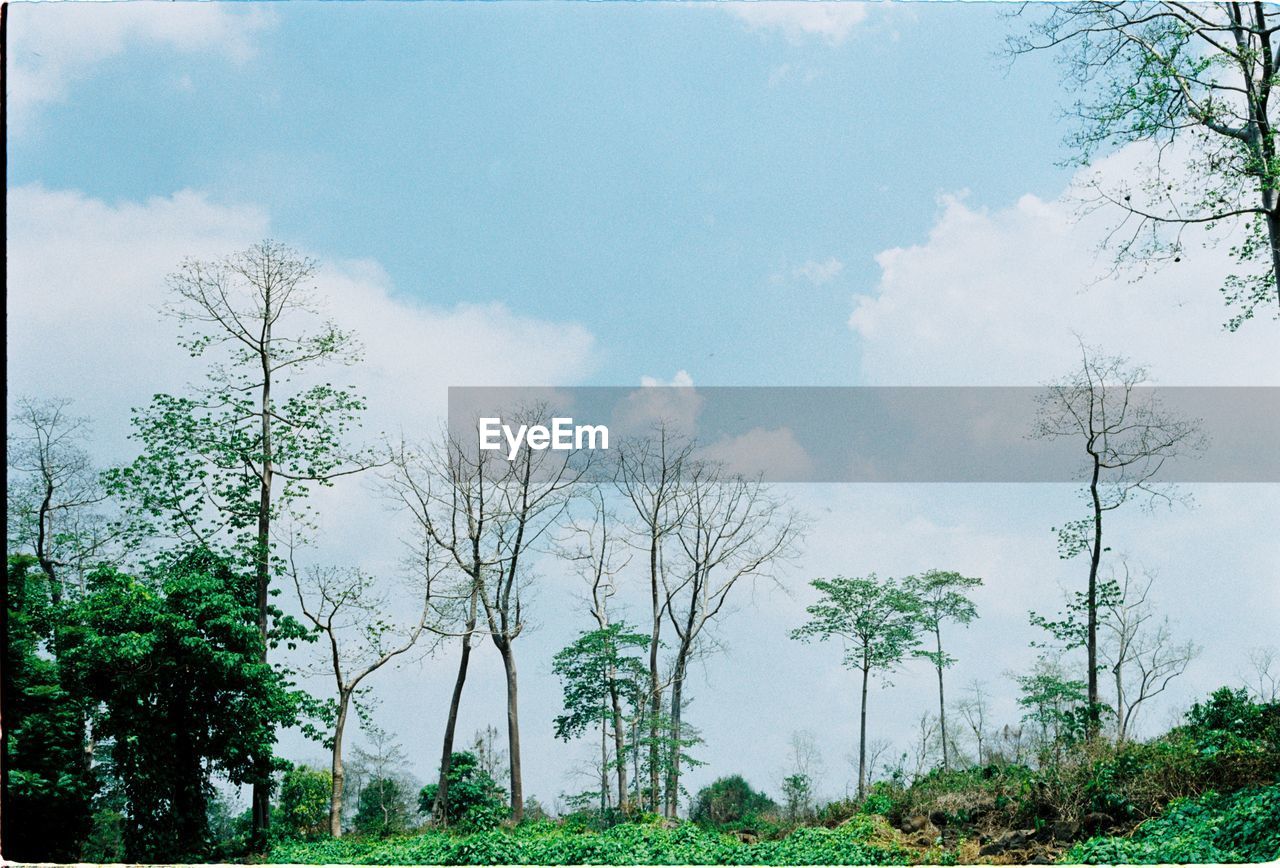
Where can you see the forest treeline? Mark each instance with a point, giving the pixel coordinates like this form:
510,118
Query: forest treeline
157,610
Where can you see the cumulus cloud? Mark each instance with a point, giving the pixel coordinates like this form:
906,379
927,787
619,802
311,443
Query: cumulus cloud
799,20
52,45
996,297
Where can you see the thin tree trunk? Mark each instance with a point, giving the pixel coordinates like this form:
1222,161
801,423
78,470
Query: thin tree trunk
440,808
619,747
513,732
672,799
655,690
1120,715
335,793
942,704
1273,235
862,734
261,787
1091,640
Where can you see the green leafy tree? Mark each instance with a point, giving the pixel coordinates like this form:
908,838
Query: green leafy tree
727,801
173,663
220,466
304,801
1198,76
599,668
476,801
49,794
797,790
942,597
877,620
1056,705
383,808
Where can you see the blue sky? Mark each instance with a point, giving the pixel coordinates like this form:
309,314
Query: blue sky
610,165
599,193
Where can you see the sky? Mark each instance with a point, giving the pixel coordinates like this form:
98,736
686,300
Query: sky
611,194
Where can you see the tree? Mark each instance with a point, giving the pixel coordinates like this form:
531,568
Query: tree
488,515
1056,705
55,493
1138,648
732,531
974,711
649,474
219,467
800,783
383,808
728,800
1126,436
346,608
877,620
941,597
476,802
1196,76
597,672
50,787
304,801
172,661
1265,678
598,558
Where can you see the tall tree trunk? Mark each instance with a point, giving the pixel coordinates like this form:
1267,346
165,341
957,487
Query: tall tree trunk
262,563
513,731
942,704
619,746
672,796
862,733
1091,638
1273,235
440,808
1118,674
335,792
655,689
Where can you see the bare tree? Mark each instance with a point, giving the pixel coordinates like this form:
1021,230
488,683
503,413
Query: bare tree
649,474
732,531
975,713
54,492
1138,648
597,551
1199,75
925,746
1264,681
347,607
1126,436
488,515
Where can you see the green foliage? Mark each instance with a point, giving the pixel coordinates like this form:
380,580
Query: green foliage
599,666
546,843
876,617
940,596
1239,827
382,809
476,802
304,801
729,802
172,662
48,805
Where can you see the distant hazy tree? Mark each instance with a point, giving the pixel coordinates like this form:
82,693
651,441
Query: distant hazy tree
1138,648
1126,436
800,783
941,595
1264,681
1199,76
877,620
974,710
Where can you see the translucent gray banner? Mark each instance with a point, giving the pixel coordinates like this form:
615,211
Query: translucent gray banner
890,434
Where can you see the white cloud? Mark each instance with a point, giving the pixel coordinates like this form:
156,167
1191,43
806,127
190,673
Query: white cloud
52,45
799,20
773,452
86,280
994,297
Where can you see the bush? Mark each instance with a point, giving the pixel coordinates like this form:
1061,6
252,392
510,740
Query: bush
382,809
304,802
731,803
475,801
1239,827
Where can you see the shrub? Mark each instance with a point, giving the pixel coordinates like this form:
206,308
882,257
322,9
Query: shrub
1239,827
475,801
304,802
730,802
382,809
